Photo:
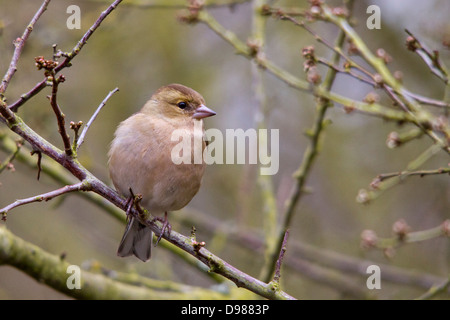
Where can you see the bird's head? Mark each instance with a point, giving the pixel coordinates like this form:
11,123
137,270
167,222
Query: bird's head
176,101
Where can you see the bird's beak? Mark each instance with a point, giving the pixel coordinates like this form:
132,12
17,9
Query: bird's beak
203,112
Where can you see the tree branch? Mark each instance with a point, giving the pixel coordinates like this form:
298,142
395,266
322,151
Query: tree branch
277,275
80,140
67,61
80,186
309,157
76,50
60,117
403,235
325,266
53,270
19,43
14,107
435,290
378,186
431,59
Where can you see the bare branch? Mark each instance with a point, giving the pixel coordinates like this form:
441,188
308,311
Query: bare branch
85,38
98,284
7,163
420,173
19,44
435,290
179,4
24,97
309,156
379,186
66,63
80,186
326,266
277,275
38,162
80,140
431,59
198,250
403,235
60,117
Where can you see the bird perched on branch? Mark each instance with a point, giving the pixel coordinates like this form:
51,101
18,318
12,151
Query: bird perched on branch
141,160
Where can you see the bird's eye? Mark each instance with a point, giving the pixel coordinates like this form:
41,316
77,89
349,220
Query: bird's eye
182,105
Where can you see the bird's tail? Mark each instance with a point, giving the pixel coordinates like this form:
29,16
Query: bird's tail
137,240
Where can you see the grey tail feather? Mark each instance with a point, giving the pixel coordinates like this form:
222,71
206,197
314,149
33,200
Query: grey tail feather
137,240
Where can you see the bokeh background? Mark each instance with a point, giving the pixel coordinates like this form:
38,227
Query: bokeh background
139,49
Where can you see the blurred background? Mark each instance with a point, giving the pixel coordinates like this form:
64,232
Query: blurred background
139,49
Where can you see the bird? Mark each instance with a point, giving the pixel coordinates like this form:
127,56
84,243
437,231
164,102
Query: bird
141,161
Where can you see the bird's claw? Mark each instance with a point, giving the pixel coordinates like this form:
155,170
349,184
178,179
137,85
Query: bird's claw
166,225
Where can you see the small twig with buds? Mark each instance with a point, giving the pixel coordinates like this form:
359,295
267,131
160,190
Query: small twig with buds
415,110
430,58
66,63
80,140
378,186
75,126
7,163
309,156
396,139
402,235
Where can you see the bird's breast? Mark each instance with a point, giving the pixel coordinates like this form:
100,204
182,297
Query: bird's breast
151,152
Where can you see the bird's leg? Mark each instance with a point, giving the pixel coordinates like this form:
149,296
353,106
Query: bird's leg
129,204
134,200
166,225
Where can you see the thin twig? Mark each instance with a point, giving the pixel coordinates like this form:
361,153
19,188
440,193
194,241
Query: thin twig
80,186
221,267
76,50
396,139
38,162
415,110
177,4
373,109
379,187
418,97
66,63
435,290
308,159
406,236
421,173
24,97
80,140
431,59
60,117
265,183
277,275
7,163
308,259
336,49
291,11
75,126
19,44
347,71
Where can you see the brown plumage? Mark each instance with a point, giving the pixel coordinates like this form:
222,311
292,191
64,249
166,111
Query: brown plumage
140,159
